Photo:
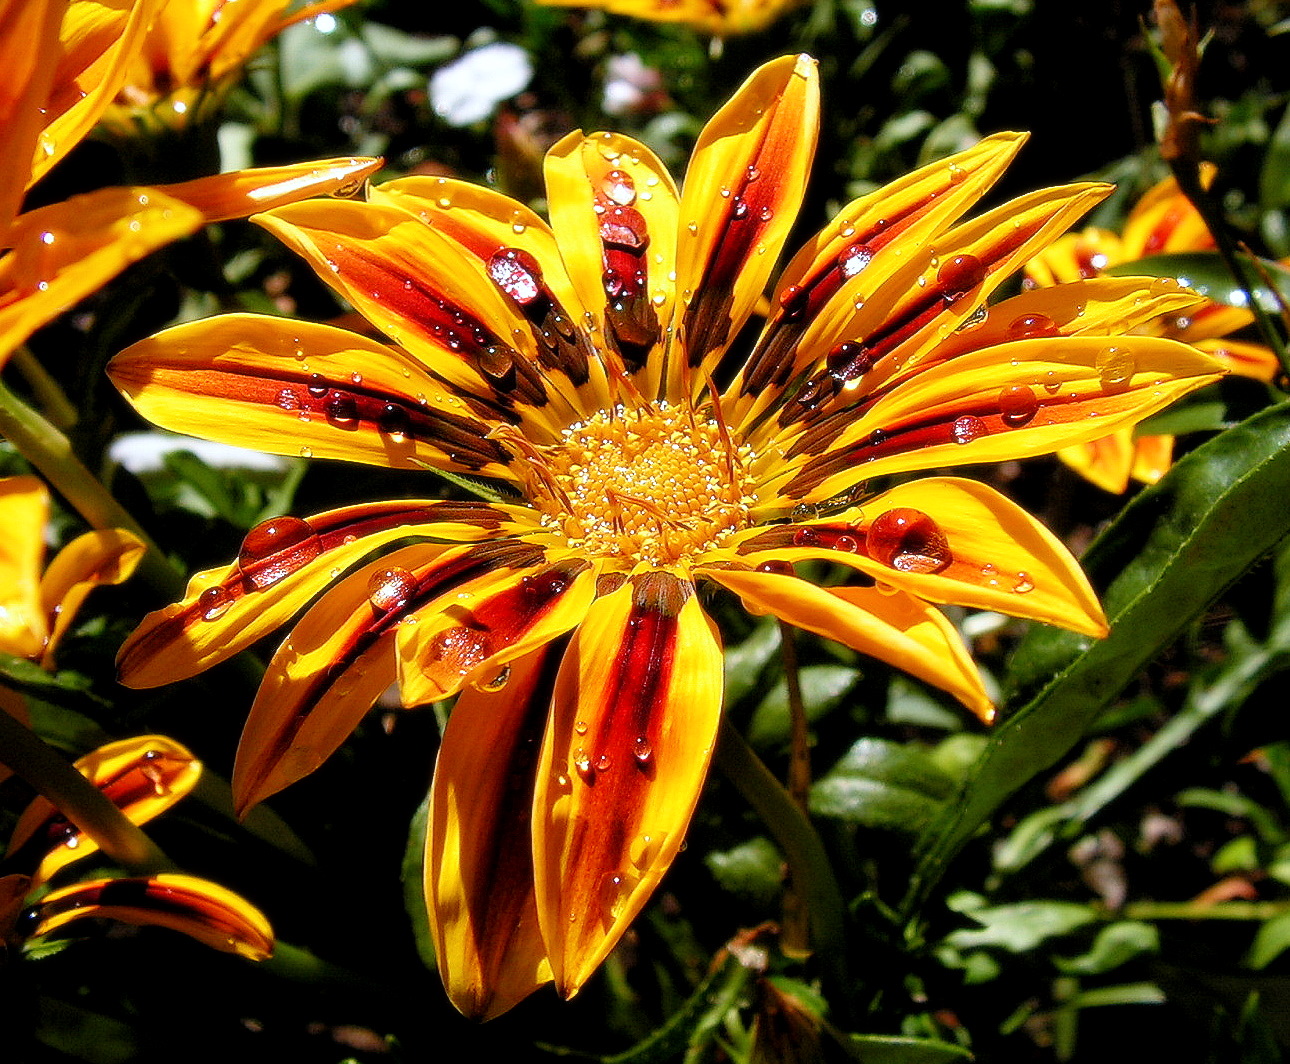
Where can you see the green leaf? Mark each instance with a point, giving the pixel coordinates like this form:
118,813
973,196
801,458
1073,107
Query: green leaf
1271,940
1021,926
754,869
895,1049
414,899
1115,945
882,784
1173,549
822,687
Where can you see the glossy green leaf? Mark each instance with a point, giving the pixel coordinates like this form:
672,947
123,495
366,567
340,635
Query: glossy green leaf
822,687
882,784
1114,945
1206,273
1021,926
754,869
894,1049
1174,548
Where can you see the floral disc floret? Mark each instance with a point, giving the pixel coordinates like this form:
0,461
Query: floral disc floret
657,484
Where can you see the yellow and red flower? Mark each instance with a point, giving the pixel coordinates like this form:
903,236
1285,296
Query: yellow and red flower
721,18
194,50
143,777
1163,222
587,368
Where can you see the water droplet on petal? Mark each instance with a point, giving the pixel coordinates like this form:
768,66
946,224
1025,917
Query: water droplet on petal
908,540
276,548
1024,584
1115,367
214,602
1018,404
642,750
968,428
391,589
1029,326
618,186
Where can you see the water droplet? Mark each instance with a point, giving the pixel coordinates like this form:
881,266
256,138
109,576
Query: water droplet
612,895
959,276
214,602
582,765
1029,326
1018,404
1024,584
624,227
957,174
393,421
848,361
499,681
580,726
908,540
452,653
642,750
391,589
276,548
618,186
1115,367
288,400
777,568
852,260
318,387
517,274
341,410
602,763
968,428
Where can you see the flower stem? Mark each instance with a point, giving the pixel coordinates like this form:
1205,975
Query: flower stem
78,799
58,409
808,864
796,937
51,452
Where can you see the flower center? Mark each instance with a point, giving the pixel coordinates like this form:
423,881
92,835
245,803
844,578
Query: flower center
656,484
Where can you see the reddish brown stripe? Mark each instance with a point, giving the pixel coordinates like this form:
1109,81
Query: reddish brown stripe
449,326
144,895
321,534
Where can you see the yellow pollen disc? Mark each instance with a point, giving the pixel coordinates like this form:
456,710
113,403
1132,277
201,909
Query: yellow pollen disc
655,484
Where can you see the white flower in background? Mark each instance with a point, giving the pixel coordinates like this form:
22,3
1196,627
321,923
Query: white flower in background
470,88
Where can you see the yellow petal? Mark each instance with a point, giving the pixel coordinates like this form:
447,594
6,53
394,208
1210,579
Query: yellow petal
105,556
890,625
283,563
614,207
297,388
24,506
479,854
871,236
470,635
463,311
948,540
63,252
1015,400
142,776
244,192
741,195
203,910
626,750
340,657
1075,256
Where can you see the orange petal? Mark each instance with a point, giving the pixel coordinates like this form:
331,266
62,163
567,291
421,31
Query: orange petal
28,35
105,556
294,387
872,235
201,909
63,252
479,320
24,507
614,207
626,750
479,854
245,192
1106,462
283,563
886,624
340,657
948,540
740,197
471,635
143,777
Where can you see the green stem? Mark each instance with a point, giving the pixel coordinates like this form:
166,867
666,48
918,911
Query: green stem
808,864
32,759
1189,910
51,452
61,413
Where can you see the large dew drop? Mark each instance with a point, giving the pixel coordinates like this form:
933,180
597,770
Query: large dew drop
908,540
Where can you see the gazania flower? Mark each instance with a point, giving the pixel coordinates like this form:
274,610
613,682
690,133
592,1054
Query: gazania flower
582,367
143,776
194,51
721,18
1163,222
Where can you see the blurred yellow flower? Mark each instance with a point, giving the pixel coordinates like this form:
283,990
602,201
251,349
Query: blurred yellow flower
1163,222
721,18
